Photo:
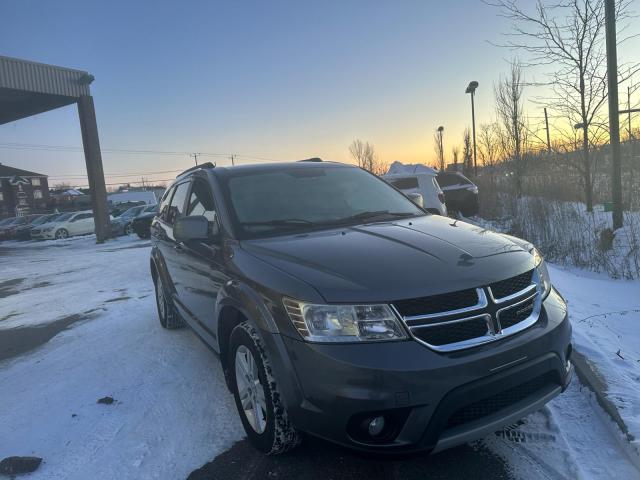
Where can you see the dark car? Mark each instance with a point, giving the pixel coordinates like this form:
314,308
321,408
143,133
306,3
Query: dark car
460,193
23,232
121,225
340,308
141,225
8,231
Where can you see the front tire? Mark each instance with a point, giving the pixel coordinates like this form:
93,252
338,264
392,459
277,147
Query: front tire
62,233
128,230
167,313
255,390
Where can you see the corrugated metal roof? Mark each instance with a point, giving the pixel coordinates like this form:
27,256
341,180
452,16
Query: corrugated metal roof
42,78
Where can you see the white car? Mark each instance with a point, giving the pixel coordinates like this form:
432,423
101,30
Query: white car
69,225
418,179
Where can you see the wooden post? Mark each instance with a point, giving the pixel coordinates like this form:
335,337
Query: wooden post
93,159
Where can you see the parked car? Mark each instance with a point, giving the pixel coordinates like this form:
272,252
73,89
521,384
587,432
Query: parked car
122,207
8,231
141,225
460,193
23,232
121,225
77,223
341,309
412,179
37,231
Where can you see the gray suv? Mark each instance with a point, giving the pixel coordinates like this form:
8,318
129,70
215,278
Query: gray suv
341,309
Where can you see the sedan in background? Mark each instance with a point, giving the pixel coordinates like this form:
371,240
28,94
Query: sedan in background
79,223
8,231
23,232
142,223
460,193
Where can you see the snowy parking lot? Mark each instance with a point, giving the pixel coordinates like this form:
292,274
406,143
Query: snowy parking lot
78,324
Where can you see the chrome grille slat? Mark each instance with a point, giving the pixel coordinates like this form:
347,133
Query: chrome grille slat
487,307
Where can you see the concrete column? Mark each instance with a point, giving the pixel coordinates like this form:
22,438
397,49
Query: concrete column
93,159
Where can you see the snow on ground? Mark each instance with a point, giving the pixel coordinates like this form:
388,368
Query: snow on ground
605,315
570,438
172,411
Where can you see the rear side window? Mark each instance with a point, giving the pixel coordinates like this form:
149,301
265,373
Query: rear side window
405,183
164,204
176,208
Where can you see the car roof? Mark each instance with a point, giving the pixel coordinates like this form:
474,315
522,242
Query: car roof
231,171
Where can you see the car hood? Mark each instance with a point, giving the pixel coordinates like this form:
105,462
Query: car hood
387,261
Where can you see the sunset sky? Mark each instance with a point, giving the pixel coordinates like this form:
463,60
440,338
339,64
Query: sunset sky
267,79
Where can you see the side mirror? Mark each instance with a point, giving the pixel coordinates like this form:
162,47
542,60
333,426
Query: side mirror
191,229
416,198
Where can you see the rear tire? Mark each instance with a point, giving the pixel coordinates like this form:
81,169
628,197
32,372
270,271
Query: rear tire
263,415
167,313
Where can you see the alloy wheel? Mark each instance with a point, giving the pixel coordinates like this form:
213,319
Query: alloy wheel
250,389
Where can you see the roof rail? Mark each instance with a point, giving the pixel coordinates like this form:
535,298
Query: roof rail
314,159
197,167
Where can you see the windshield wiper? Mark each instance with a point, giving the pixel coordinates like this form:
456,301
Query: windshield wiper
283,222
374,214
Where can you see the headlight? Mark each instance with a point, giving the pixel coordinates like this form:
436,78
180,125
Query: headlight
544,281
344,323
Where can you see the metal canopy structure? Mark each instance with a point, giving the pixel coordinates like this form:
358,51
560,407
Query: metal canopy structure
28,88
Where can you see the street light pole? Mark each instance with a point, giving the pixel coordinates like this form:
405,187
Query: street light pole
471,88
614,120
440,130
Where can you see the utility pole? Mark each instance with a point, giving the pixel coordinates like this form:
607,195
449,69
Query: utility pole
546,123
614,120
195,157
232,158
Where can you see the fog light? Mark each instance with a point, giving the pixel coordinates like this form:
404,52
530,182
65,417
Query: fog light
376,426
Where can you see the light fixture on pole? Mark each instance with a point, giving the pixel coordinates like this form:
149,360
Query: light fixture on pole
471,88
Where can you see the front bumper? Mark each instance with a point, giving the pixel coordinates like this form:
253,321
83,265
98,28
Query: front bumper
330,388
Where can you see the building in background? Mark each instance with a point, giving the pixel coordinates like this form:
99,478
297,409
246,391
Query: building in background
22,192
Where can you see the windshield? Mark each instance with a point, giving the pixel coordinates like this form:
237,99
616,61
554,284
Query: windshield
290,199
64,216
41,220
7,221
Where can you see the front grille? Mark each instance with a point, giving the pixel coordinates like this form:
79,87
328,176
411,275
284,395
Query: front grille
448,333
499,401
512,285
518,313
437,303
465,318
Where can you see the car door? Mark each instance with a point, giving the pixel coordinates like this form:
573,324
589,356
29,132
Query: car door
162,232
203,274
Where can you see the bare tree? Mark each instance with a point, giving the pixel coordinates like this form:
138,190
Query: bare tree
509,110
455,152
467,152
568,36
488,144
365,156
